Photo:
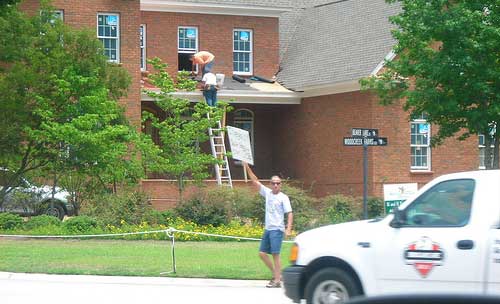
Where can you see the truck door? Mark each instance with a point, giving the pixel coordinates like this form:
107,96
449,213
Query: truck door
434,248
493,277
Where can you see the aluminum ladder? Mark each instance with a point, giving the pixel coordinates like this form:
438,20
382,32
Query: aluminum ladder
222,172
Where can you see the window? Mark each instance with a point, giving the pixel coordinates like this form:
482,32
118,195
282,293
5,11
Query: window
420,144
142,43
482,151
187,45
447,204
108,31
58,14
243,119
242,52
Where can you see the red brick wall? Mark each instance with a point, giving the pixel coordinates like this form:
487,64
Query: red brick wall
83,14
215,34
308,146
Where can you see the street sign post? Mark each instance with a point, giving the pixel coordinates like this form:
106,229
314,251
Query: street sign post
365,137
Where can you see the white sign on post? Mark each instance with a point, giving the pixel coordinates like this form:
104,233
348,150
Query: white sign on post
239,140
396,194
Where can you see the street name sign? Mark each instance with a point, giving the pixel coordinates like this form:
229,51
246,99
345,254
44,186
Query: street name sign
365,141
361,132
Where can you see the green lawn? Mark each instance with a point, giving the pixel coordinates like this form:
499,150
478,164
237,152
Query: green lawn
229,260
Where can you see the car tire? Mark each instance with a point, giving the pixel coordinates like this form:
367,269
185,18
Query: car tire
55,210
331,285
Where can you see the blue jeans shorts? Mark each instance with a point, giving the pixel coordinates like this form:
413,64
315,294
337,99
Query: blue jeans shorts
271,241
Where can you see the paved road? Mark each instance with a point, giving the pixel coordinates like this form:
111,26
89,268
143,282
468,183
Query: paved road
20,288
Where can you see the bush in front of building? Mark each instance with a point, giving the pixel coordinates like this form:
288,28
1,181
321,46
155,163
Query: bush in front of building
9,221
203,212
43,220
128,205
80,224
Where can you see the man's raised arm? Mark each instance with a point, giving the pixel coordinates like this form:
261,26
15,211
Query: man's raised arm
253,177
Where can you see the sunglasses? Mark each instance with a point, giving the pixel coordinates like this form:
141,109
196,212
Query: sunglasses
275,183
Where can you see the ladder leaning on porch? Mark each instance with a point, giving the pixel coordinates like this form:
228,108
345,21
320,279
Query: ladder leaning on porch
222,173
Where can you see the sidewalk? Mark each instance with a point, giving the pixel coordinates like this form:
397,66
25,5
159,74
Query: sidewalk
20,288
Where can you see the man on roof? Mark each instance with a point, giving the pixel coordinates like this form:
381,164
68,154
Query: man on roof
205,60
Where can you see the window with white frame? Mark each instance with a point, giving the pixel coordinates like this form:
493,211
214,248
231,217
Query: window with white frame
142,43
242,52
420,144
482,152
57,15
108,32
187,45
52,16
244,119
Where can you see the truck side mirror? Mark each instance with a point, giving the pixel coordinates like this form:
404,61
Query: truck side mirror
399,218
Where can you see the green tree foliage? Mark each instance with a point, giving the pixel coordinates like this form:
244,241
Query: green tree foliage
447,66
185,126
59,99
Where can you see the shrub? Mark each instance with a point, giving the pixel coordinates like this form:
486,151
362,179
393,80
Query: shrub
80,224
128,206
42,221
375,207
203,212
155,217
306,208
9,221
341,208
240,203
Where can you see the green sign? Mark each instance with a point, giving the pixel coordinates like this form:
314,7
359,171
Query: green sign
390,205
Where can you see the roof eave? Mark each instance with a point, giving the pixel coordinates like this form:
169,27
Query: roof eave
329,89
239,96
211,8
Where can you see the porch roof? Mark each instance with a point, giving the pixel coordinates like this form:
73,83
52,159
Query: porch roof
252,91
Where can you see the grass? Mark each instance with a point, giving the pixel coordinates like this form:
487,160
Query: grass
227,260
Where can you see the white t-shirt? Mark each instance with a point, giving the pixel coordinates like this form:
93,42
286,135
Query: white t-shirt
276,207
209,79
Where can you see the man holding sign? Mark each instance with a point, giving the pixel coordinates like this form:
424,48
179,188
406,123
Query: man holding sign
277,205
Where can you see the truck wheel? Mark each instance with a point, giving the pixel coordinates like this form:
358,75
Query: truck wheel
331,285
57,210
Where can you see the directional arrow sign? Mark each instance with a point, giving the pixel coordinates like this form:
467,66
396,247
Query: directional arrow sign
361,132
369,141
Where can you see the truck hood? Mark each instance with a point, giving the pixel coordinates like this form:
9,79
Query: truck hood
341,240
46,192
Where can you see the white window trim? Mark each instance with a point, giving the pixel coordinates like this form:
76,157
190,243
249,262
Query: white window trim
250,52
428,146
482,146
187,51
61,12
143,47
118,47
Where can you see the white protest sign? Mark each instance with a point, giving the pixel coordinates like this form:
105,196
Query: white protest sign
239,140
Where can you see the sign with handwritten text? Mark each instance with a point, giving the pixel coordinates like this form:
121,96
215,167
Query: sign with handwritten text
239,140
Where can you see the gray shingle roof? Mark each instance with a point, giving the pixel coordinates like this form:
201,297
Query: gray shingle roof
334,43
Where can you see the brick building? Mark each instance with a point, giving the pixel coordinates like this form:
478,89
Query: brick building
317,50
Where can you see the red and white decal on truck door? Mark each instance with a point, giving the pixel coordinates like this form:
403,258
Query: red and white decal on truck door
424,254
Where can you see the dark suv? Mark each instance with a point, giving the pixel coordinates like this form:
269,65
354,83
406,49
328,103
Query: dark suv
28,199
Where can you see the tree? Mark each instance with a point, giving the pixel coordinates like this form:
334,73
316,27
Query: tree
447,66
185,126
59,97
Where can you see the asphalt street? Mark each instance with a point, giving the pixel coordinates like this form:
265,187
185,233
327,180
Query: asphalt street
21,288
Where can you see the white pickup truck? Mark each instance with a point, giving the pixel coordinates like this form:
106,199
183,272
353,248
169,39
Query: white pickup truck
445,239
